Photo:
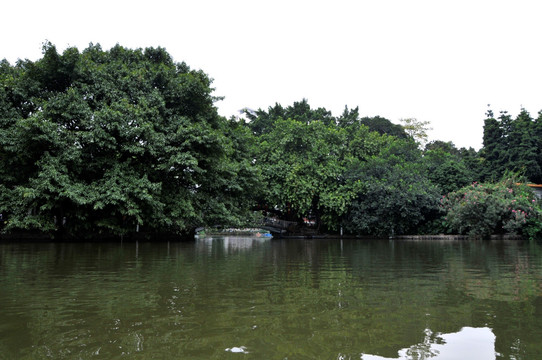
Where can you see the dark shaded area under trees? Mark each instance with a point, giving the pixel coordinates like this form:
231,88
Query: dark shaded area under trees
98,143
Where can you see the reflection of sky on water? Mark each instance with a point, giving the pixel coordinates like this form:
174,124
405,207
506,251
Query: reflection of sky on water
469,343
231,242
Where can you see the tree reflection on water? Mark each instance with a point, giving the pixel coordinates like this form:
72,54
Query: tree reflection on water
469,343
273,299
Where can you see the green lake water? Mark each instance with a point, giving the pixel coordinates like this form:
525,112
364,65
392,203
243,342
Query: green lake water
243,298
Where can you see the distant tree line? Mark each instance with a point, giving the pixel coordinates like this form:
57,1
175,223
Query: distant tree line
113,142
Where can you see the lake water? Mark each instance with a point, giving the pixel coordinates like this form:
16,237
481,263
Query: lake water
243,298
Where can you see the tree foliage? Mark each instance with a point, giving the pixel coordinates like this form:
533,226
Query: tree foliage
513,145
384,126
397,197
416,129
448,167
483,209
261,121
302,167
104,141
350,119
344,172
113,141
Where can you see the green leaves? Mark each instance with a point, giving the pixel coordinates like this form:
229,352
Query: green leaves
449,168
512,145
483,209
368,179
394,197
301,165
100,141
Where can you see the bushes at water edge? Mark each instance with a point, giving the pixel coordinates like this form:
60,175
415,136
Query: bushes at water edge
483,209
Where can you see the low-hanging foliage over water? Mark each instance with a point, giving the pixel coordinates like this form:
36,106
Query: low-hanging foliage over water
112,141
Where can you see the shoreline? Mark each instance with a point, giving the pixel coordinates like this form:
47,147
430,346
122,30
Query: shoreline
42,237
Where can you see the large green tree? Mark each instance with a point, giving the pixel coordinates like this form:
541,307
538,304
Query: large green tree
107,141
302,170
448,167
396,197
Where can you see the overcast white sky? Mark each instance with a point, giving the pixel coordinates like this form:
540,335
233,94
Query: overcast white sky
438,61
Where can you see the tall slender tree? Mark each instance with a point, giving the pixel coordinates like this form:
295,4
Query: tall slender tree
512,145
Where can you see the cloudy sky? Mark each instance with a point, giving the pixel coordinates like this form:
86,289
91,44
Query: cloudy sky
441,61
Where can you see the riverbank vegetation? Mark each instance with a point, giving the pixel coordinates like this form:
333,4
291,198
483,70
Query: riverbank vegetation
119,141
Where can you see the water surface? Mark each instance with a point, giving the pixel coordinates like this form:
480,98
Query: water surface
243,298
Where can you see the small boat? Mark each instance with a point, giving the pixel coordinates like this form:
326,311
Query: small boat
246,232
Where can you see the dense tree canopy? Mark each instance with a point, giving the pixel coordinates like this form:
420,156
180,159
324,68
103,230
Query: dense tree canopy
109,142
448,167
397,195
302,165
262,121
367,174
112,140
351,172
384,126
513,145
